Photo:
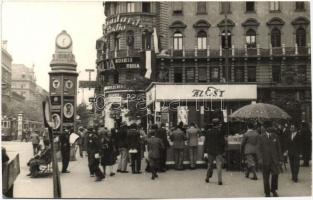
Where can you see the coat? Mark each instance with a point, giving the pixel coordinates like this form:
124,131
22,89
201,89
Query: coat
155,145
270,152
161,133
93,143
192,136
121,137
295,145
178,137
214,142
133,139
107,151
250,142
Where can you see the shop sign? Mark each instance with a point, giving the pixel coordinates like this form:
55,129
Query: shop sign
119,23
115,87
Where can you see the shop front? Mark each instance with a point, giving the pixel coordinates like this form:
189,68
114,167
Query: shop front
199,103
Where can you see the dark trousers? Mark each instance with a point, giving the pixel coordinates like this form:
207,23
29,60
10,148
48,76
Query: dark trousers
266,180
35,148
65,158
294,166
163,159
178,158
135,162
93,164
91,158
154,165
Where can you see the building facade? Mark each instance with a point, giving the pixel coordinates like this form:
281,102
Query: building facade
266,44
6,71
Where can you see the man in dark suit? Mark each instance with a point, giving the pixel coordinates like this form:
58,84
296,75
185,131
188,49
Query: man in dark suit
270,158
134,146
178,137
155,148
294,149
161,133
65,149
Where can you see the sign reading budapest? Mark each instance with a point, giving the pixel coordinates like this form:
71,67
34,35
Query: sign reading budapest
169,92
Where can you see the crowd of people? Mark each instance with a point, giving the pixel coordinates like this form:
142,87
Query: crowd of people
265,146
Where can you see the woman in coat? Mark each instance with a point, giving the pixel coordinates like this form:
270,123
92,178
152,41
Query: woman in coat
108,155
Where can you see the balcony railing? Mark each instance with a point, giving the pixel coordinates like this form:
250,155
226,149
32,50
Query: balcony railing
241,52
124,53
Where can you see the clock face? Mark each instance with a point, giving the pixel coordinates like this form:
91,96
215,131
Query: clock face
64,41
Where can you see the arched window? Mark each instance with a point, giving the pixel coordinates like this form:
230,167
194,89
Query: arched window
251,38
178,41
276,37
226,44
301,37
201,38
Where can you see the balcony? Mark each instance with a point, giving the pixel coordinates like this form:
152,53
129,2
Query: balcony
124,53
241,52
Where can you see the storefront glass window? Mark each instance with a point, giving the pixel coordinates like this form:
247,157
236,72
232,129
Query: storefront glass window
251,73
190,74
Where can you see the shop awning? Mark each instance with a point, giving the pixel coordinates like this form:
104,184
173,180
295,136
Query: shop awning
189,92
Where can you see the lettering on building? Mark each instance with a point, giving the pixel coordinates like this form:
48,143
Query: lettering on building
209,92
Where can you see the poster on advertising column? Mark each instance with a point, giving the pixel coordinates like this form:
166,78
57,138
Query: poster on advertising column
68,109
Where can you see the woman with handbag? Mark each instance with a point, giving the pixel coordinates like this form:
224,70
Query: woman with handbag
134,146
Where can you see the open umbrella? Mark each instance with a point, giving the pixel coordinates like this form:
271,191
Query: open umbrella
260,112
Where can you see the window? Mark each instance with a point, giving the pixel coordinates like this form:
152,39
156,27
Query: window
300,6
201,7
239,74
116,42
274,6
178,75
146,7
250,6
130,7
130,39
190,74
201,38
250,38
115,78
225,7
215,74
276,73
302,73
178,41
177,8
226,44
275,38
202,76
251,73
113,8
146,40
301,37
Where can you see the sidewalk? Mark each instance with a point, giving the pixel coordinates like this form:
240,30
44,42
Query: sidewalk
172,184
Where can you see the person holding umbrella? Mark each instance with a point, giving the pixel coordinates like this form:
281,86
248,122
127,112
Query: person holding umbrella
270,158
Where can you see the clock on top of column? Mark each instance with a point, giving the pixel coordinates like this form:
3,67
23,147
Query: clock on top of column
64,41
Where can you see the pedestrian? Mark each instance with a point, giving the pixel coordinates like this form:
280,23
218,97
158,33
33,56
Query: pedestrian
155,149
107,151
249,146
80,141
307,145
24,135
93,150
143,139
178,138
65,149
43,158
294,144
193,134
270,158
122,147
35,141
161,133
214,148
134,146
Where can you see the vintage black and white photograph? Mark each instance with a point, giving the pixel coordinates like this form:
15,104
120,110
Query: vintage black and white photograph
156,99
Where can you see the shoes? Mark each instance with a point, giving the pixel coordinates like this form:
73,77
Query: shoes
267,195
152,177
220,183
29,174
124,171
118,170
295,180
275,194
112,174
92,175
207,180
139,172
65,171
98,179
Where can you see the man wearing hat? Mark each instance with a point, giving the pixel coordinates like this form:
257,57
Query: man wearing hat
65,149
214,148
270,158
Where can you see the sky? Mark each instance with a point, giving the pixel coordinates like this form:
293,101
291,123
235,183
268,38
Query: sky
31,27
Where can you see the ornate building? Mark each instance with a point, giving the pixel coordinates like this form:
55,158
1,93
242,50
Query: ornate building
266,44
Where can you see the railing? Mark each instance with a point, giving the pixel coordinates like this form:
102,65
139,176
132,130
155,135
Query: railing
124,53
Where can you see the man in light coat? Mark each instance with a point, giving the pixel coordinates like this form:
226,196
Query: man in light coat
192,139
249,146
